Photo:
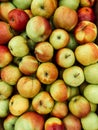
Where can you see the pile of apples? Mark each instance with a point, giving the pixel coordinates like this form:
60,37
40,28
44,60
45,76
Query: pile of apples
48,65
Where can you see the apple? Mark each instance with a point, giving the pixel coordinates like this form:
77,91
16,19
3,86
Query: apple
87,53
43,8
6,33
47,72
93,107
28,60
5,90
85,32
77,104
90,122
5,56
54,123
18,105
86,13
73,76
18,46
38,28
59,110
28,87
18,18
91,93
9,122
65,57
40,51
65,17
58,87
59,38
23,4
87,3
30,121
4,107
71,122
10,74
70,3
43,103
29,13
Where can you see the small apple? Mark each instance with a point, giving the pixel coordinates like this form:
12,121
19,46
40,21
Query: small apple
77,105
18,18
85,32
93,107
73,76
18,46
18,105
71,122
47,72
40,51
87,3
43,8
38,28
87,53
10,74
29,13
65,57
43,103
59,38
5,56
65,17
58,87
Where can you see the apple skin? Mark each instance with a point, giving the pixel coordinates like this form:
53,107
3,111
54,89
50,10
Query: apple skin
18,18
65,17
38,28
43,8
85,32
87,3
87,53
5,56
47,72
40,51
31,121
77,104
71,122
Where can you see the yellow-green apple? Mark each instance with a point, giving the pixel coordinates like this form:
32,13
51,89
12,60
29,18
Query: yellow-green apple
71,122
30,121
38,28
59,38
70,3
23,4
40,51
10,74
93,107
73,76
43,8
9,122
90,122
18,105
91,73
29,13
18,18
91,93
87,53
6,32
4,107
28,87
85,32
5,8
5,90
65,57
43,103
59,110
88,3
31,61
5,56
86,13
54,123
65,17
58,87
77,104
18,46
47,72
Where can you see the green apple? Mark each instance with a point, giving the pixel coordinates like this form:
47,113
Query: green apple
93,107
